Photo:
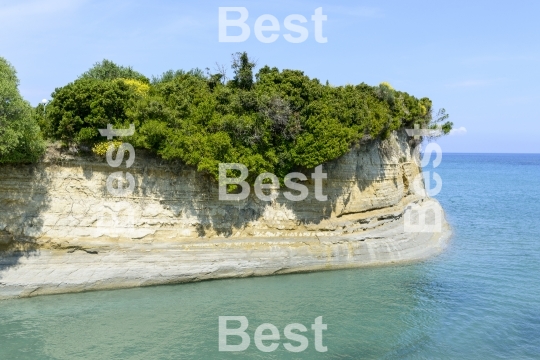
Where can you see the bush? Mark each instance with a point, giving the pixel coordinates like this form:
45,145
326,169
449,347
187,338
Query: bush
101,148
20,136
274,121
107,70
82,107
140,88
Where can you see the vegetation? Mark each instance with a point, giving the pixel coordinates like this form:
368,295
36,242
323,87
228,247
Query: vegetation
101,148
272,121
107,70
20,137
82,107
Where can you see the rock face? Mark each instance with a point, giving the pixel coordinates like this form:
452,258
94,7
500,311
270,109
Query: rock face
61,231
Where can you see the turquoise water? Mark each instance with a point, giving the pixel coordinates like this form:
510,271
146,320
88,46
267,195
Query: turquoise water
478,300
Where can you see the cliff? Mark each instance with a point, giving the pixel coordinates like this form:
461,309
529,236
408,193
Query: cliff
61,231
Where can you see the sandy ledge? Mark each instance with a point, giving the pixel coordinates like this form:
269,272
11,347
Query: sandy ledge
95,264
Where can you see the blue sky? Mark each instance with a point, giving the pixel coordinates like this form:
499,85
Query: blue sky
479,60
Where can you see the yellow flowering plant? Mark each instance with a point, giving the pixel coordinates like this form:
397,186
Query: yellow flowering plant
101,148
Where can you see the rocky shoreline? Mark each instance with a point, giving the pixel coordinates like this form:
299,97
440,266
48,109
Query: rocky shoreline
61,232
93,265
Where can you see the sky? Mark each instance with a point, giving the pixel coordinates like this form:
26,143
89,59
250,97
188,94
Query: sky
478,60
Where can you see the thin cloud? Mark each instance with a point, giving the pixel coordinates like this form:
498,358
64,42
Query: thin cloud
35,16
30,8
497,58
186,24
469,83
357,11
459,131
521,100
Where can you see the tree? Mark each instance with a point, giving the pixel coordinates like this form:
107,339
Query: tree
82,107
274,121
20,137
108,70
243,70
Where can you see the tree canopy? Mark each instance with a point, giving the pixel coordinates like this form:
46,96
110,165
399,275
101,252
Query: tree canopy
107,70
20,136
271,121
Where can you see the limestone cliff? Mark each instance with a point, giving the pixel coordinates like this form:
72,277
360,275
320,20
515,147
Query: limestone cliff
61,231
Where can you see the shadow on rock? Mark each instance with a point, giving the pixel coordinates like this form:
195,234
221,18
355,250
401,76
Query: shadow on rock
24,196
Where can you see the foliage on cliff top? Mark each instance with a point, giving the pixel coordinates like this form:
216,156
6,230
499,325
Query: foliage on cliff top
273,121
107,70
82,107
20,136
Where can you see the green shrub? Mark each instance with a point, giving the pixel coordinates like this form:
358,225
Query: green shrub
108,70
20,137
273,121
80,108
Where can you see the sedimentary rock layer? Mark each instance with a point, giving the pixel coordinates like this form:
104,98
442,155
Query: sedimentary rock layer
61,231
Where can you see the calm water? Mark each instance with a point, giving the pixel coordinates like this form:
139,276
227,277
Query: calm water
478,300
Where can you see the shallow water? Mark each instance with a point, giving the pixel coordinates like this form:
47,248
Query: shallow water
480,299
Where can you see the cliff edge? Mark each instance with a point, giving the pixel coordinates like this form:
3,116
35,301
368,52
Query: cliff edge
61,231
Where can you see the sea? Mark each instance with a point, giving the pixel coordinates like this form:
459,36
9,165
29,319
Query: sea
479,299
